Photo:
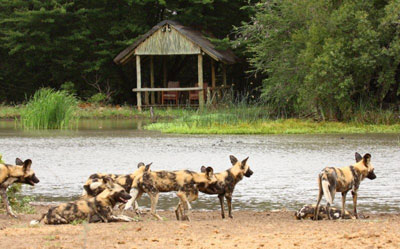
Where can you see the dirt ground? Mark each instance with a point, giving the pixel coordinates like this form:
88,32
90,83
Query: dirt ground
248,229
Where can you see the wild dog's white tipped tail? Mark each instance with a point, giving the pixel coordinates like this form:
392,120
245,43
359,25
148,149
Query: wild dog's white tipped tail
327,193
34,222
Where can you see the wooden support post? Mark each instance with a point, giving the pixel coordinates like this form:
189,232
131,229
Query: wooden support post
139,83
153,100
164,71
212,74
213,82
200,76
224,82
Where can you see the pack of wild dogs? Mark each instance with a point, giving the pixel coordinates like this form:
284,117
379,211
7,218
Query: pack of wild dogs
102,193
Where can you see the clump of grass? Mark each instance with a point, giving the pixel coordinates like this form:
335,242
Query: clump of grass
49,109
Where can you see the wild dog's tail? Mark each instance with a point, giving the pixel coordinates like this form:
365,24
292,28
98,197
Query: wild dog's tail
325,189
36,222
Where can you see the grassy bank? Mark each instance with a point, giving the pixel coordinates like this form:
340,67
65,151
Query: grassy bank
281,126
233,120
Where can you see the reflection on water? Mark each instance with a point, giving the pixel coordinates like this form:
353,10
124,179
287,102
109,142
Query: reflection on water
285,166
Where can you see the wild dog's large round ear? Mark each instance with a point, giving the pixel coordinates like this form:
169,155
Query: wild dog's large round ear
27,165
367,159
140,164
147,167
19,161
244,162
234,160
203,169
209,170
358,157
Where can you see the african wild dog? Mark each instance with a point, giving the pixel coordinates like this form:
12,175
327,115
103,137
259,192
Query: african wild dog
308,211
19,173
332,180
226,182
95,209
184,182
95,184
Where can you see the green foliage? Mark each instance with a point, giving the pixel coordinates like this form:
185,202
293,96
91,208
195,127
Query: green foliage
323,58
49,109
98,98
69,87
19,203
47,43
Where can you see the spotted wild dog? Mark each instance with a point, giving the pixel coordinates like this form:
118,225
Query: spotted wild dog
96,184
184,182
308,211
95,209
19,173
226,182
332,180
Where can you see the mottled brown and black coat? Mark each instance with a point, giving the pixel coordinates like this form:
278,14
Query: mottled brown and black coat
308,212
95,184
184,182
332,180
94,209
226,182
19,173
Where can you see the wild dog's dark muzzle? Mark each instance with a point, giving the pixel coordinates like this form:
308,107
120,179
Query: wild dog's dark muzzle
248,173
123,197
371,175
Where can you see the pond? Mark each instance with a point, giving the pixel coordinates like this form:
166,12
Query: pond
285,166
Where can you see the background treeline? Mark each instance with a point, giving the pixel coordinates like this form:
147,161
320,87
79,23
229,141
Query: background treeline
326,59
71,44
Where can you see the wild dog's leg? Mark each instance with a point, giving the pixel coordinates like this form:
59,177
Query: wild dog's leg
228,197
137,210
354,193
320,193
178,211
154,200
134,193
221,201
184,201
3,193
343,203
330,202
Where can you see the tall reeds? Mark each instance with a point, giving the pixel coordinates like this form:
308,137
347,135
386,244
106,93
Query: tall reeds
49,109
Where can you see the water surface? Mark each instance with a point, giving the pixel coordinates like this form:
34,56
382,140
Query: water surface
285,166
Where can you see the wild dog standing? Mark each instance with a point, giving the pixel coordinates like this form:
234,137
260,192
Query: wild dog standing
95,184
226,182
95,209
19,173
332,180
182,181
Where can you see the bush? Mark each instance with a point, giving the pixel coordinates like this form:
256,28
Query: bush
69,87
49,109
98,98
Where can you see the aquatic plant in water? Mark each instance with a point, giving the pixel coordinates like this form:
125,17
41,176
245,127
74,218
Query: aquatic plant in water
49,109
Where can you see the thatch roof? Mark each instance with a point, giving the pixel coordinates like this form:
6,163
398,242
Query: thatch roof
194,36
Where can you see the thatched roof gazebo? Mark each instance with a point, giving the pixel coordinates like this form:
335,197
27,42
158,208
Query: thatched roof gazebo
171,38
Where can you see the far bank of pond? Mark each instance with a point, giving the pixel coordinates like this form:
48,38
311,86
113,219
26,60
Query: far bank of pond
243,120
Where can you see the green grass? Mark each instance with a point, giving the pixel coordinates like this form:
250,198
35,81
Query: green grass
49,109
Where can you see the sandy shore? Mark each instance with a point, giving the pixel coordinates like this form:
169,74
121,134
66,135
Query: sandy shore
248,229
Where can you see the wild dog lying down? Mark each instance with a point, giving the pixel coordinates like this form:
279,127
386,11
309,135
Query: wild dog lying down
95,209
182,181
95,184
19,173
332,180
308,211
226,182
